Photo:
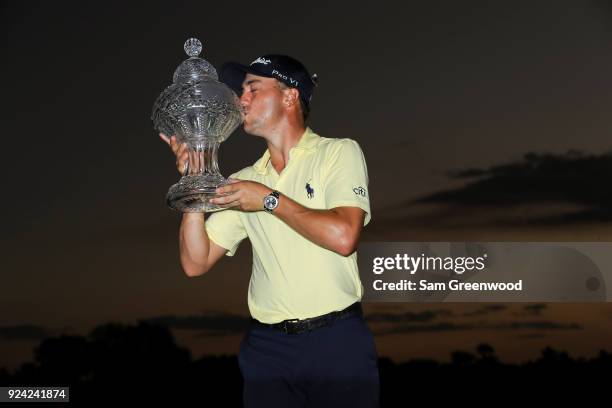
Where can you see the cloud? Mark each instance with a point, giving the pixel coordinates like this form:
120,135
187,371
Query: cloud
23,332
210,324
424,316
535,325
534,309
532,336
449,326
540,179
423,328
485,310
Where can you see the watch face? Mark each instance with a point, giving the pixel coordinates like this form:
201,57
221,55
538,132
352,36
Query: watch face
271,202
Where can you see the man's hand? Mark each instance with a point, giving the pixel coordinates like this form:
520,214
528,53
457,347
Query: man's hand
243,195
180,151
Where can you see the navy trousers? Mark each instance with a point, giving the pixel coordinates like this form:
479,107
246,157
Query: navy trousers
332,366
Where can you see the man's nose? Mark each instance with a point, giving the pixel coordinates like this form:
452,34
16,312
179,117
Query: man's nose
244,100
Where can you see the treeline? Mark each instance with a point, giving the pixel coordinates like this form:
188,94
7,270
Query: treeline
142,362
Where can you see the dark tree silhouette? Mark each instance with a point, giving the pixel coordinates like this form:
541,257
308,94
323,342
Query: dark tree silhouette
142,363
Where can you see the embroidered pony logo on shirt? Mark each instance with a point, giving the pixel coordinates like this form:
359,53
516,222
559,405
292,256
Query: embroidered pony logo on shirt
309,190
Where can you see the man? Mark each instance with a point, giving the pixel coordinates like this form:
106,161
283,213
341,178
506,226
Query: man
302,205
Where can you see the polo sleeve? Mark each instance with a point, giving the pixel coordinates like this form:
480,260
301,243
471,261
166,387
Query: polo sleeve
346,177
225,228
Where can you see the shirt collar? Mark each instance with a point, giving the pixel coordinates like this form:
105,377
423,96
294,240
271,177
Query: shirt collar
308,142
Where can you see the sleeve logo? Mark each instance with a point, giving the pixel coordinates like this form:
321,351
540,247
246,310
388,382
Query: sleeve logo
360,191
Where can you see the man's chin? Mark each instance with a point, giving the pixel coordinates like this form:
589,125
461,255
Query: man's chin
251,130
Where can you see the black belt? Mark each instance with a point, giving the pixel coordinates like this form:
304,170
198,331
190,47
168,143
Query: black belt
297,326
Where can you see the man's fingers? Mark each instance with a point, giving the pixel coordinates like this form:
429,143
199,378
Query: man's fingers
227,189
228,199
181,149
182,162
233,204
164,138
191,160
174,144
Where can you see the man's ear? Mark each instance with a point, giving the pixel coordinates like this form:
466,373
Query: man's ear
291,96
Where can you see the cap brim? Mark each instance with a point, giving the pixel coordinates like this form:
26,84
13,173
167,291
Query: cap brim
232,74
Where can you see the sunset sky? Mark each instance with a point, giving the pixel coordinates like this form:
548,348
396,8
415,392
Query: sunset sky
438,95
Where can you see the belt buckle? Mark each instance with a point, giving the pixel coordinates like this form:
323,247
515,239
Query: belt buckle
286,327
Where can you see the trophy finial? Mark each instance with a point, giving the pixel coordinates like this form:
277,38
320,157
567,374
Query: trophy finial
193,47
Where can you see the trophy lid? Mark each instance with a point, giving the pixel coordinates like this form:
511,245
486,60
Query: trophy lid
194,68
196,105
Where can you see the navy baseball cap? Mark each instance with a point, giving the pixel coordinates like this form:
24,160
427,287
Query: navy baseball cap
286,69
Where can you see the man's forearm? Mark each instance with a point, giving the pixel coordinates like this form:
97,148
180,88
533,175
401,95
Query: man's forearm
194,244
336,229
325,228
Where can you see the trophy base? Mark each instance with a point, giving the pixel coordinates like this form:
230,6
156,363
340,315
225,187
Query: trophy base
193,194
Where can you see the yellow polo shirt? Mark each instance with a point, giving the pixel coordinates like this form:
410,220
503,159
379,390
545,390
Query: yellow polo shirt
293,277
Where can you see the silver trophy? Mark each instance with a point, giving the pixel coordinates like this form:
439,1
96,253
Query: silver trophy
202,112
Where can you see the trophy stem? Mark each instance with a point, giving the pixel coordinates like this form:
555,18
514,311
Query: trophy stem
203,158
194,190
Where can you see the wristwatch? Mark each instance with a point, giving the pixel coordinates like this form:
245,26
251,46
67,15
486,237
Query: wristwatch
271,201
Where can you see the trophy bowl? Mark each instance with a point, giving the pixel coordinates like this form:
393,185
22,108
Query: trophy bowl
201,112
